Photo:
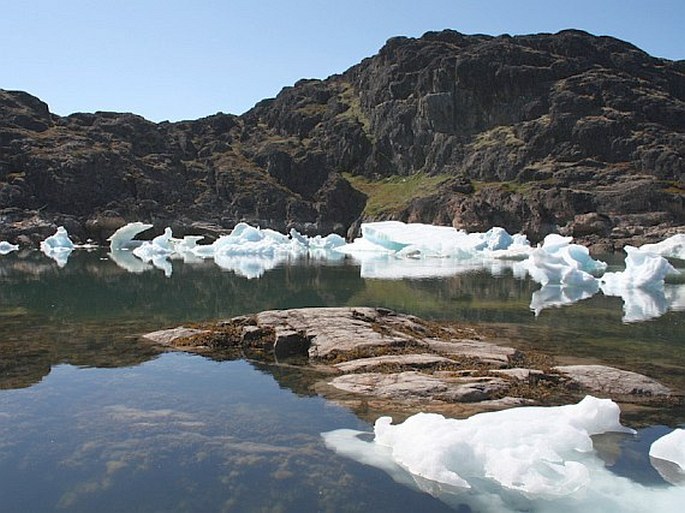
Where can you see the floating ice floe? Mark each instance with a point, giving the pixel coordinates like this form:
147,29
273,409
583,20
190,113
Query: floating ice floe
640,285
247,250
124,237
6,247
416,240
538,459
58,246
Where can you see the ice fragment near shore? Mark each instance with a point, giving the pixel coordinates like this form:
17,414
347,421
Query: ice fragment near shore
123,238
6,247
640,285
58,246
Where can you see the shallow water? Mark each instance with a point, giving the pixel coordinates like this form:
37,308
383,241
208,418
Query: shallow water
92,419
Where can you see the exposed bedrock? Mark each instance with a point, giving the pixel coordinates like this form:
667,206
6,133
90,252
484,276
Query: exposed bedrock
563,132
375,354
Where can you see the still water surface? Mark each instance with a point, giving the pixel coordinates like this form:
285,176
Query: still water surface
93,419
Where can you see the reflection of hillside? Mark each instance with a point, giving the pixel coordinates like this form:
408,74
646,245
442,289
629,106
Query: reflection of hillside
473,296
89,312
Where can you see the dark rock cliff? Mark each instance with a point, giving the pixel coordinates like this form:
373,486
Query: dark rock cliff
567,132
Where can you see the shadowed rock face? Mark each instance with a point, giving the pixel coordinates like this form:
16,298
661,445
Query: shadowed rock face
566,132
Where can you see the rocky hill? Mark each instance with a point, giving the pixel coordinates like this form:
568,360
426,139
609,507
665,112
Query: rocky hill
563,132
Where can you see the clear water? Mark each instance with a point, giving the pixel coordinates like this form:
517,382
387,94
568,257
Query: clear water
92,419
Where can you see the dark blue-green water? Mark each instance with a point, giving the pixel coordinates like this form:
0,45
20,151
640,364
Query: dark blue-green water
93,419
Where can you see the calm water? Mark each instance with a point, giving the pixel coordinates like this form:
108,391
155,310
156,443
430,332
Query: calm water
92,419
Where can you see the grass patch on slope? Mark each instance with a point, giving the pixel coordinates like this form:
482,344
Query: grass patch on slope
391,195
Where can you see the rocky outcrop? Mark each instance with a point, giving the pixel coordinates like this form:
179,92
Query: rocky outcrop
403,362
566,132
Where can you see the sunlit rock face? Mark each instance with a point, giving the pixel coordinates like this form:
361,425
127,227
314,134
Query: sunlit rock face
534,133
523,459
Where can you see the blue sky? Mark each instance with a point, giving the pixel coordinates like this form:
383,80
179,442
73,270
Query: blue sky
184,60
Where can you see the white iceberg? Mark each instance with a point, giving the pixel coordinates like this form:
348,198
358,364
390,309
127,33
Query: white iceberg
672,247
59,240
641,285
559,262
58,246
6,247
418,240
157,247
523,459
644,269
123,238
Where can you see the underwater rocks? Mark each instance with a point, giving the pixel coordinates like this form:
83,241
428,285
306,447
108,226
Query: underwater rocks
406,362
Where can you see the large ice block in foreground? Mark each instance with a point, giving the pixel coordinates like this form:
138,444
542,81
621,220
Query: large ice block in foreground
539,459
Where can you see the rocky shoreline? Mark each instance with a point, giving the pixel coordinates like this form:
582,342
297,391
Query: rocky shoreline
374,358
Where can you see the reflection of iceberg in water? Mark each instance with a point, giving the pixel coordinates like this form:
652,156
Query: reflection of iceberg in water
127,261
249,266
538,459
394,250
560,295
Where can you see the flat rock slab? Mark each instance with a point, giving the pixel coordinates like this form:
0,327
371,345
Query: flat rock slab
612,381
414,385
393,361
379,355
170,336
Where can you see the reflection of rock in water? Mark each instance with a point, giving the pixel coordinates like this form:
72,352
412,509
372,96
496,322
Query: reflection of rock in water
77,314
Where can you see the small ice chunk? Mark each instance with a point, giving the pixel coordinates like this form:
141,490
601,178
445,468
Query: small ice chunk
59,240
496,238
670,447
123,238
58,246
6,247
160,246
